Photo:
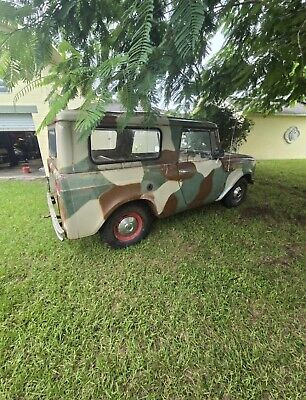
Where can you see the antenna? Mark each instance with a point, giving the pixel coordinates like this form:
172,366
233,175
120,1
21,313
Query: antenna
231,146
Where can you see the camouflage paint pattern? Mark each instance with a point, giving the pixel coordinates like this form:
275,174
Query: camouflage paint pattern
87,193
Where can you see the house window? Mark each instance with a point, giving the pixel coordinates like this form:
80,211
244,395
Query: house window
3,87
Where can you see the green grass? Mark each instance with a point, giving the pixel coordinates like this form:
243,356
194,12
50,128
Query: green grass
210,306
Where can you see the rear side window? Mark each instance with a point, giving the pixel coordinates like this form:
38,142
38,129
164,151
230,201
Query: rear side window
105,140
52,143
133,144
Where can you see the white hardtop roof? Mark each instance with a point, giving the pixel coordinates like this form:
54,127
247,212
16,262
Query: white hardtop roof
72,115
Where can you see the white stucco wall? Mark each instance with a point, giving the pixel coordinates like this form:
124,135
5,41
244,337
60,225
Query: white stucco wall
266,139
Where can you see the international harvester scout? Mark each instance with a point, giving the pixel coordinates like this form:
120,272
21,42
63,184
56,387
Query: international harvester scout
116,182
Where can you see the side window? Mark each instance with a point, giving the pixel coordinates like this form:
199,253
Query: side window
146,142
103,140
52,143
3,87
215,141
129,145
195,145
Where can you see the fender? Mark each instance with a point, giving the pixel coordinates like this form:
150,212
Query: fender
231,181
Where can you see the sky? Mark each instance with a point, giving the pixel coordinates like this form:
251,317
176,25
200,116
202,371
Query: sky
216,44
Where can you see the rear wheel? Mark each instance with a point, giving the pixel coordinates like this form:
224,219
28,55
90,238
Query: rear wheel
236,195
127,225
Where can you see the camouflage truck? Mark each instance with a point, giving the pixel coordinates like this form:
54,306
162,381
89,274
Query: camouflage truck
117,181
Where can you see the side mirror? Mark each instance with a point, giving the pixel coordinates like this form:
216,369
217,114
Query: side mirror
219,153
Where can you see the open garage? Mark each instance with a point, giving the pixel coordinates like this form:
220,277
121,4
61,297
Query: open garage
18,142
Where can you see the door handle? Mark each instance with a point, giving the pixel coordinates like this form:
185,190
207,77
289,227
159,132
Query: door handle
186,170
170,172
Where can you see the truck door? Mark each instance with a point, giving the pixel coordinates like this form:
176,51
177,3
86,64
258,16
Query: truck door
201,176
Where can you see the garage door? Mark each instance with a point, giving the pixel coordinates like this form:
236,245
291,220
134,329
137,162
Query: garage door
16,122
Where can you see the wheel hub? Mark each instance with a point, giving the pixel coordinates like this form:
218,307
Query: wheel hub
238,193
127,226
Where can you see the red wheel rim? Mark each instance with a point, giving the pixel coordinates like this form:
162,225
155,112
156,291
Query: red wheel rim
126,221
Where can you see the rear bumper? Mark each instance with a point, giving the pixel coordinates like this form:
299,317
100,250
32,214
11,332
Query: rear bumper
60,233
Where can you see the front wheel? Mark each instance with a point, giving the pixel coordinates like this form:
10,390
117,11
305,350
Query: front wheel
236,195
127,225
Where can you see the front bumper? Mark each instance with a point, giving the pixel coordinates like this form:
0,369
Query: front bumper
251,179
60,233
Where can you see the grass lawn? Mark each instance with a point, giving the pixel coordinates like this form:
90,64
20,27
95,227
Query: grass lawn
210,306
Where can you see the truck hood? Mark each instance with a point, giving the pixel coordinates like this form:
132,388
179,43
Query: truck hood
237,156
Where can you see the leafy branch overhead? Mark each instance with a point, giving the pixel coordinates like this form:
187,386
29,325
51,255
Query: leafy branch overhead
128,49
142,51
262,65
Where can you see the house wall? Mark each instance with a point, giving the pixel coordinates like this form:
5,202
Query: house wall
266,139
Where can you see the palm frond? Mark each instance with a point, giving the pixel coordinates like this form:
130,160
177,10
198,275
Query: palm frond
91,113
141,46
187,23
58,103
28,88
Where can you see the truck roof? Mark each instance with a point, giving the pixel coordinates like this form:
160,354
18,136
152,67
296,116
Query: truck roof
112,117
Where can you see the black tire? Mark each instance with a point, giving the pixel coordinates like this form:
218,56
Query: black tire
139,226
236,195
